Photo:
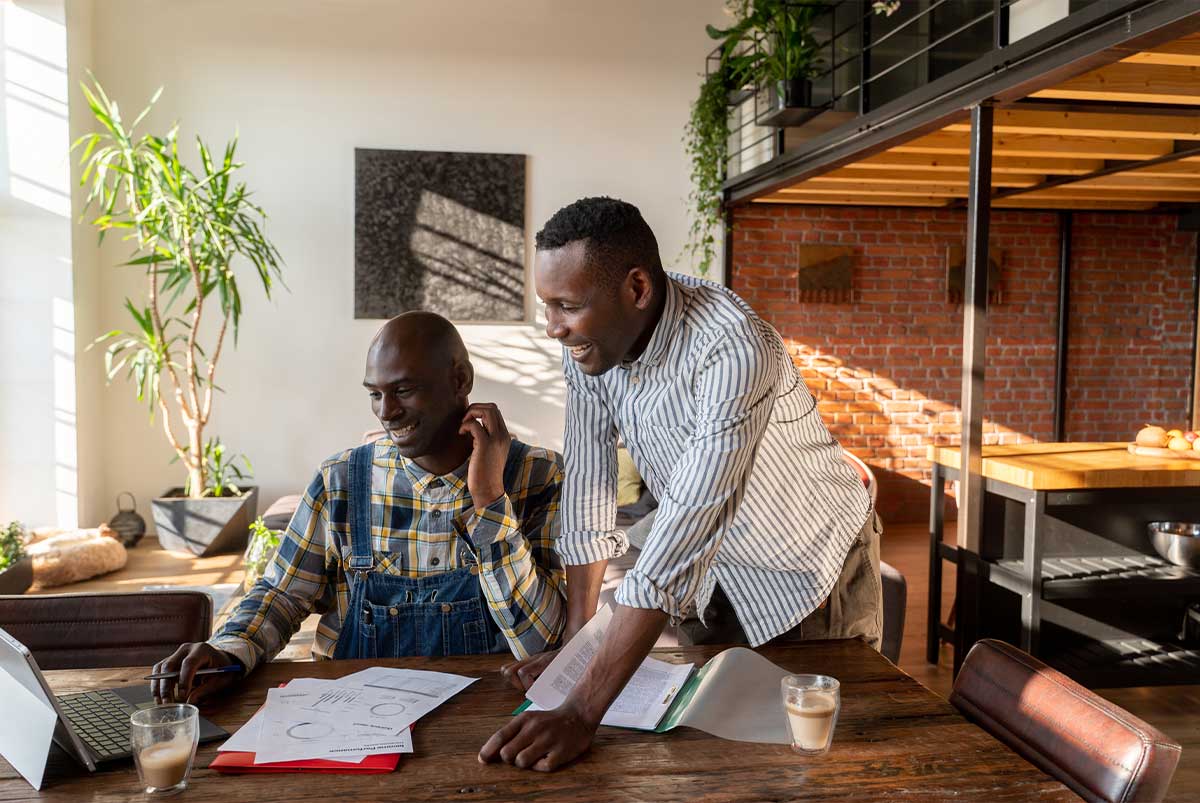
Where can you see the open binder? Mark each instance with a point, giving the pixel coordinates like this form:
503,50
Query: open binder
736,695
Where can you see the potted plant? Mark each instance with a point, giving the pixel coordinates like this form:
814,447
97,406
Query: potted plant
187,229
769,48
16,568
263,543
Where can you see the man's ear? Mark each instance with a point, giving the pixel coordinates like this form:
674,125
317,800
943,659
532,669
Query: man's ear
464,379
640,288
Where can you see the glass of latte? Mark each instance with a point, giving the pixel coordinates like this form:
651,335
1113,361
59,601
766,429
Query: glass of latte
164,741
811,703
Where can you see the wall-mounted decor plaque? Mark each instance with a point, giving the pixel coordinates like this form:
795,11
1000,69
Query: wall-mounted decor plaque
826,274
956,263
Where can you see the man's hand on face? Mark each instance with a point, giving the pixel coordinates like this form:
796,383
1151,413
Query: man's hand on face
187,660
485,472
521,674
540,740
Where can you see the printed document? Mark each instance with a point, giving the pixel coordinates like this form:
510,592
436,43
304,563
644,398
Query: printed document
643,701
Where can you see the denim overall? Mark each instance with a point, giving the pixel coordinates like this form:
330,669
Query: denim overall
390,616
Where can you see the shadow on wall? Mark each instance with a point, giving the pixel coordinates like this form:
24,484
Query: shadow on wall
520,370
889,427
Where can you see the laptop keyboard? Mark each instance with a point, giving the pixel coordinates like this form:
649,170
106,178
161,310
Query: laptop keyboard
101,719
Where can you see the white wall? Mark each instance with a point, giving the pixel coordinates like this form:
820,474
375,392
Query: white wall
37,339
596,94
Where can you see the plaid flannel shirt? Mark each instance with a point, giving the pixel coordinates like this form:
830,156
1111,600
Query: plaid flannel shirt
413,515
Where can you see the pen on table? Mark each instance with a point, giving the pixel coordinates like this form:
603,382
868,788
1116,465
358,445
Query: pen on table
215,670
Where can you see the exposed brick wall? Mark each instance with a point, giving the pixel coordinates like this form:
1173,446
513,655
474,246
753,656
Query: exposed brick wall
886,369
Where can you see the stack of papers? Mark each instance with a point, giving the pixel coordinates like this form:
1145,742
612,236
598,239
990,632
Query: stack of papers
346,719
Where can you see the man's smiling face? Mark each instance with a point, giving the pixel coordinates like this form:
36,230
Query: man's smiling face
593,321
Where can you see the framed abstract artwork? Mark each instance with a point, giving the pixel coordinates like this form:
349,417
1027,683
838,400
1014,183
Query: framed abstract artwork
439,231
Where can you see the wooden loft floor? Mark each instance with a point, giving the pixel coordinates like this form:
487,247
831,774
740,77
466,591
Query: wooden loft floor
1125,136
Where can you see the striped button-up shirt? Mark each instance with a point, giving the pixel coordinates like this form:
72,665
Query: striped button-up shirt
753,491
413,534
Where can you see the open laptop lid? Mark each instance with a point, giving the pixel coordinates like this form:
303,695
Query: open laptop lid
32,716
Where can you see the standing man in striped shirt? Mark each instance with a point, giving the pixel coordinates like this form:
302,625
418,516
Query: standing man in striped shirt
763,530
435,540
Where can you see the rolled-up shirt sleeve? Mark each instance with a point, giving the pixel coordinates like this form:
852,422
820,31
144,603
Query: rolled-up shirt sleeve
589,518
734,393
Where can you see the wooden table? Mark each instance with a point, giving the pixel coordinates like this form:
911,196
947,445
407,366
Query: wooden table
895,738
1090,503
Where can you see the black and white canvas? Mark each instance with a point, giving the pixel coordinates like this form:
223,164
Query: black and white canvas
439,231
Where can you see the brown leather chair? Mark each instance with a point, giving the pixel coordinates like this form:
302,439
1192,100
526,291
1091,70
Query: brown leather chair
84,631
1099,750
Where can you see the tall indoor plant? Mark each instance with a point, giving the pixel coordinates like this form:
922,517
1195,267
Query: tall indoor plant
188,229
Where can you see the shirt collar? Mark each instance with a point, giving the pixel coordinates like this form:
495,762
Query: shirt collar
665,328
420,478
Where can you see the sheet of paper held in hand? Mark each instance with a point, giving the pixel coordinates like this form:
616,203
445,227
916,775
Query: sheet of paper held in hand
345,719
736,695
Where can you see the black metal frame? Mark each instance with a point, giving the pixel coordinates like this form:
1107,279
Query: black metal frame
1065,232
1066,48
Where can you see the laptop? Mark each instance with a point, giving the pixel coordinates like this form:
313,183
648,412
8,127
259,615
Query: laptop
93,727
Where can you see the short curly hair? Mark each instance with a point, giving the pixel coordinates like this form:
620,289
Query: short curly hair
617,238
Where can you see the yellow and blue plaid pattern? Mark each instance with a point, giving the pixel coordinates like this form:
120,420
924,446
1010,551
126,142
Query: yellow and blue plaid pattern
414,519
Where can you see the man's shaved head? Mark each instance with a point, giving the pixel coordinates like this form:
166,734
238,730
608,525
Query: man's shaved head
426,331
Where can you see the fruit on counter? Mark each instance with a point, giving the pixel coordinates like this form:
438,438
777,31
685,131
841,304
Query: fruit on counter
1191,436
1152,436
1174,433
1179,445
1196,445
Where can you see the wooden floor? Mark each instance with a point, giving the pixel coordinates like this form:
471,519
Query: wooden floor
1175,710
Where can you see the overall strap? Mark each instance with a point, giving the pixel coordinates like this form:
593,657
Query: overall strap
362,558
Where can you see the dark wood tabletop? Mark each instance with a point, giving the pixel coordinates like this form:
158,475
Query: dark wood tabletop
894,739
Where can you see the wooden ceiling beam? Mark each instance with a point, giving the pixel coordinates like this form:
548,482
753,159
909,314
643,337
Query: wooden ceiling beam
958,178
1133,180
1021,202
850,200
875,188
1134,83
1085,193
1143,125
1058,147
953,163
1183,52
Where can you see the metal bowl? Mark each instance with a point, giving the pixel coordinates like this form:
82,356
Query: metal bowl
1177,541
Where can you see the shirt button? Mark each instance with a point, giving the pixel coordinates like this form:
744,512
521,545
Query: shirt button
434,561
393,611
634,379
445,607
437,514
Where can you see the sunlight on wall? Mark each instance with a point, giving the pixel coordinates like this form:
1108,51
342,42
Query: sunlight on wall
36,274
66,465
35,109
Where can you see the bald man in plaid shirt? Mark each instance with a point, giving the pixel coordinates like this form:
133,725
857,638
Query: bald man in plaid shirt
435,540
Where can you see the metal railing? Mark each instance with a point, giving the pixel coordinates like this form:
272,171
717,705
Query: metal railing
867,60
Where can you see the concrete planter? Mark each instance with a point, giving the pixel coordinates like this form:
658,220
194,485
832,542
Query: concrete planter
17,578
207,526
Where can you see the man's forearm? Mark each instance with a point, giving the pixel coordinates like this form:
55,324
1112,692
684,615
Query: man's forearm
583,592
630,636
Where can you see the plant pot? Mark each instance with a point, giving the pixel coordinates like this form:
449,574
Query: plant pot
788,103
17,579
207,526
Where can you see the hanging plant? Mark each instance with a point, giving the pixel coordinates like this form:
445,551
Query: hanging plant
770,42
705,138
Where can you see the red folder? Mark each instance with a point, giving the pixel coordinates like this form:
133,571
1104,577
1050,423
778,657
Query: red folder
233,762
